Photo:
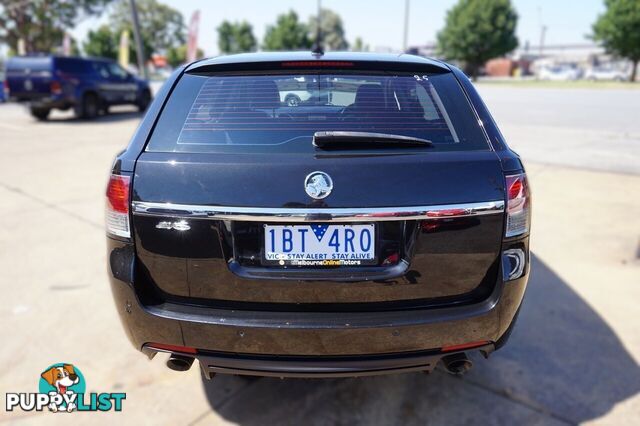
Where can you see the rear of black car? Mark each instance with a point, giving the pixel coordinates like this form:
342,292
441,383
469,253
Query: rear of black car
378,225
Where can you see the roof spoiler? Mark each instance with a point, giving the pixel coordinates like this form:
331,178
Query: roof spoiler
316,62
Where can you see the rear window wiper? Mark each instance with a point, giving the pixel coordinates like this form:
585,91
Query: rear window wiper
355,140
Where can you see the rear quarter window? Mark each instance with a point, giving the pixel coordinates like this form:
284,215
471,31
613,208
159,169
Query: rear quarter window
281,112
73,65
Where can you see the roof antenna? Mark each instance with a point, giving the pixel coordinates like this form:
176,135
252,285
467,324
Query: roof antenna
317,48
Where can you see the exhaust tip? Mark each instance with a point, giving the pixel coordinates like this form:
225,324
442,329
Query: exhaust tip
179,362
457,364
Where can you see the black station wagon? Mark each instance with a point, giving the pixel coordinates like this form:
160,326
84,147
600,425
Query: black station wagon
380,224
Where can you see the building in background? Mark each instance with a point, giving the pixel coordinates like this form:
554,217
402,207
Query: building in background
531,60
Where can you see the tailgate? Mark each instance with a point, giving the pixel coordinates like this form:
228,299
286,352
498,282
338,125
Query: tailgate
29,77
200,221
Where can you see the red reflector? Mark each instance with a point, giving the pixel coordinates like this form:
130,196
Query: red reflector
172,348
314,64
56,88
118,193
464,346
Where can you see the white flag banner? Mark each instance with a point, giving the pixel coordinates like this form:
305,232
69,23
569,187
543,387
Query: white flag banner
66,45
192,42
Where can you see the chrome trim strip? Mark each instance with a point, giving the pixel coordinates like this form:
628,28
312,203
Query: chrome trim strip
267,214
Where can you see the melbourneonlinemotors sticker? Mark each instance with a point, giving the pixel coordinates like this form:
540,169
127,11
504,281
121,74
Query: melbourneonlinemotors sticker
62,388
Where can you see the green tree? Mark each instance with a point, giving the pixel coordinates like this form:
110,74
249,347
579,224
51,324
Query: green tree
161,27
41,24
619,30
332,30
236,37
105,43
177,56
287,34
359,45
102,42
478,30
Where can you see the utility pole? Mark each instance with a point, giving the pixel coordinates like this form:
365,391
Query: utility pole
136,34
318,49
406,25
543,31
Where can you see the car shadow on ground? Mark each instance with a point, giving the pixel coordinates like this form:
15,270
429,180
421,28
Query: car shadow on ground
563,364
114,115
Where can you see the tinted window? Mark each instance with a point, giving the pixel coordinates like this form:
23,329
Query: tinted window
117,71
102,69
265,113
73,65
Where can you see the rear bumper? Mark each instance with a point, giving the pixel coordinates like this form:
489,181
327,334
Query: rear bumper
310,343
45,102
316,367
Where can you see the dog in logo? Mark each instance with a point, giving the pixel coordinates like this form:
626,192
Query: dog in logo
61,378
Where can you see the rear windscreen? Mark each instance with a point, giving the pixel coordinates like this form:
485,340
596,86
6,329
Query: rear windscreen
266,113
29,65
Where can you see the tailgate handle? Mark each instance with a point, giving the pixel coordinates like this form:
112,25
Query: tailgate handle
360,273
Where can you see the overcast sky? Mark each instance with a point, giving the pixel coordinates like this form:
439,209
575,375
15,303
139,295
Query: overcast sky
380,22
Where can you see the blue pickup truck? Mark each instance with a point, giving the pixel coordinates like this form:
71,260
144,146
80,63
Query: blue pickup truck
88,85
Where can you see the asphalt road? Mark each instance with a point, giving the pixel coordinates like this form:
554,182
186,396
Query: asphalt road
573,357
597,129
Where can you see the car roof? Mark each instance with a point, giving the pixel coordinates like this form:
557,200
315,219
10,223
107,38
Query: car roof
77,58
258,58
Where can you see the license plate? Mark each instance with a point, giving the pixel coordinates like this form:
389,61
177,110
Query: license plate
320,245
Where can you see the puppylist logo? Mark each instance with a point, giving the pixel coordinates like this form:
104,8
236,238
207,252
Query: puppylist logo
62,389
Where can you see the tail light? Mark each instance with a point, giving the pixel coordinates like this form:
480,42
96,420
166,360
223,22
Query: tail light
5,87
518,205
117,212
55,87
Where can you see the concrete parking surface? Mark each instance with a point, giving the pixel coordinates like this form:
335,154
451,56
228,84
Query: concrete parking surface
573,357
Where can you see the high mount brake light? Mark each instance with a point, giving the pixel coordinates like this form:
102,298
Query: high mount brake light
317,64
117,212
518,205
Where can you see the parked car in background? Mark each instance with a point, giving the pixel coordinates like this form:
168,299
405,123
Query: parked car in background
3,89
317,97
307,90
559,73
605,73
295,97
384,231
88,85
